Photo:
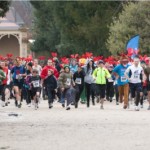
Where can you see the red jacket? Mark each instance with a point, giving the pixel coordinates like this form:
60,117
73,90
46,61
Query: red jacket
44,72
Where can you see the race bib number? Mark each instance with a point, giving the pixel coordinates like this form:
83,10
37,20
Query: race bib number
36,84
136,76
110,80
18,77
68,82
123,79
78,81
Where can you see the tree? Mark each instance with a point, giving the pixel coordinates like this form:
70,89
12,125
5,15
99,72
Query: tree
4,7
133,20
73,27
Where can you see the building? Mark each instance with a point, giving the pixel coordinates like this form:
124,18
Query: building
13,35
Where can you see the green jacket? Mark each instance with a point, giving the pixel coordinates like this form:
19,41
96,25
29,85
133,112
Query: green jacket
65,80
100,74
2,76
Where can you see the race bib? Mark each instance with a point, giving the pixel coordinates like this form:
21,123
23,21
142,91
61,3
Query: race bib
68,82
149,77
36,84
110,80
78,81
136,76
123,79
18,77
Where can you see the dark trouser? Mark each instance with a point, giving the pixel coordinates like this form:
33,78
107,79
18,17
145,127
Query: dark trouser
69,95
116,93
109,89
51,95
101,88
89,90
2,92
28,95
136,89
79,90
144,90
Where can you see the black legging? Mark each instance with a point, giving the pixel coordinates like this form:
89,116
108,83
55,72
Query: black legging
79,90
116,93
89,89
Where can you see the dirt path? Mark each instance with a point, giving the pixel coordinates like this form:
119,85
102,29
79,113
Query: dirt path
79,129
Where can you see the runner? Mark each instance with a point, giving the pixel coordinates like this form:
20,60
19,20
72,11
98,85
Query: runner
100,75
147,73
37,66
2,78
110,85
122,81
50,83
89,81
135,76
18,73
35,87
5,85
78,78
66,84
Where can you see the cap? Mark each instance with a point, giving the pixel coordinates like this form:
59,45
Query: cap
100,62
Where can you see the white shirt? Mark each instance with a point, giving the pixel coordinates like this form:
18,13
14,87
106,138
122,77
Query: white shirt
135,73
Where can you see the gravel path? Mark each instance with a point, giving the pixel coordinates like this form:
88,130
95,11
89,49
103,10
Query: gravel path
78,129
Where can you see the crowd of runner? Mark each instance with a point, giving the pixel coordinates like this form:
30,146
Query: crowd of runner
125,81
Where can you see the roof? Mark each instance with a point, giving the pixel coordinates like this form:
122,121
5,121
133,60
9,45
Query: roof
11,21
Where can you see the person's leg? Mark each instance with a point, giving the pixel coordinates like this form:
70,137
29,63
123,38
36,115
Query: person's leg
3,95
28,96
116,94
77,95
37,97
120,89
139,94
87,87
7,95
107,91
68,98
49,94
17,95
111,91
102,94
148,94
132,91
93,87
126,95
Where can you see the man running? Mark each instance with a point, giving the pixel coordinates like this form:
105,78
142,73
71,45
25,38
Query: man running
18,73
135,76
122,81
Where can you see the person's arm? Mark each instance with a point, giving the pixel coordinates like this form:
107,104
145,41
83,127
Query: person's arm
94,74
115,72
143,76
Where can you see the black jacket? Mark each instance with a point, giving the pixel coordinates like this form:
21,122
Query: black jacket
51,82
79,75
